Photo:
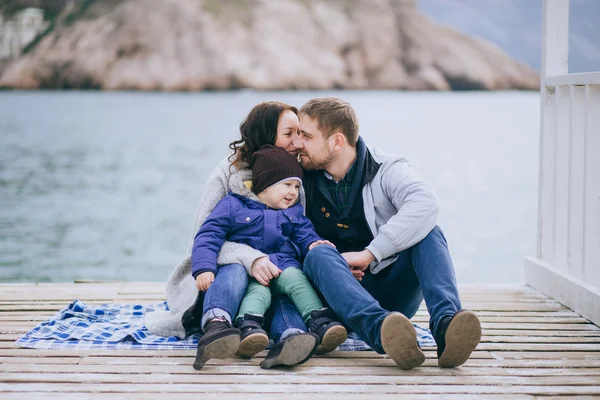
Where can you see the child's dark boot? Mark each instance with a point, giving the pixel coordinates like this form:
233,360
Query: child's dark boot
254,338
331,333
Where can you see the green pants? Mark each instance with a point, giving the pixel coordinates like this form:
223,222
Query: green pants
291,282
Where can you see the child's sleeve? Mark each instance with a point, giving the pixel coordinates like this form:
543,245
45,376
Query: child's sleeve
215,189
210,238
304,234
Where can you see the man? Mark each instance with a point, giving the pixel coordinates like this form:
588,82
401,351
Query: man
382,218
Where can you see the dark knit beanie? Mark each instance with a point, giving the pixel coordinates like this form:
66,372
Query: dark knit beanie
270,165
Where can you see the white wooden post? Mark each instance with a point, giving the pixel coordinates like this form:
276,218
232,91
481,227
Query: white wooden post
567,264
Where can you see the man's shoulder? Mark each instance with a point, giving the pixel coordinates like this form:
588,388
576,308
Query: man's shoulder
385,159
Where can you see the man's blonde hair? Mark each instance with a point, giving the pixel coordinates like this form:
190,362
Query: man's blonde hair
333,114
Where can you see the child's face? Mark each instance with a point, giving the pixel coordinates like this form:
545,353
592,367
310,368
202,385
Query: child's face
281,195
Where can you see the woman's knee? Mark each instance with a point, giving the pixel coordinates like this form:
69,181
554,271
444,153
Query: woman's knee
234,274
233,269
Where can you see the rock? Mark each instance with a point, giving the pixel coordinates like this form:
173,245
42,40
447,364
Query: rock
174,45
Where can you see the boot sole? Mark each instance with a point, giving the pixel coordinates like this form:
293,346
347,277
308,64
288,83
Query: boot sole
296,350
224,347
462,337
399,341
252,345
334,336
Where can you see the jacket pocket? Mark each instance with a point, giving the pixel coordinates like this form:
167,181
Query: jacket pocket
247,217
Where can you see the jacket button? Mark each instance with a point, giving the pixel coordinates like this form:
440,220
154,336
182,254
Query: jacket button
327,215
322,209
247,219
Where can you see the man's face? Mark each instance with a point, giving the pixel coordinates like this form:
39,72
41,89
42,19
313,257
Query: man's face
314,150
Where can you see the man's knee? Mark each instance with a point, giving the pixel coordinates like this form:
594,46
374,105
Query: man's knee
435,236
319,256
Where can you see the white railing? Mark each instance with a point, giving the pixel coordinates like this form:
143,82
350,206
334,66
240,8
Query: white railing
567,266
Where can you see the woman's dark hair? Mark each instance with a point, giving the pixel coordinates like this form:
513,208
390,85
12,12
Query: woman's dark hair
259,128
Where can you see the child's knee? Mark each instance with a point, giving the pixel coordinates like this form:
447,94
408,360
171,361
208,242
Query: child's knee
260,293
291,274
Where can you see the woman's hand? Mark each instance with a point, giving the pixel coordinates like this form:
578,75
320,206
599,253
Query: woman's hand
318,242
204,280
358,262
263,270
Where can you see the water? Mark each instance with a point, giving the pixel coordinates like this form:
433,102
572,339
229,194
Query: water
104,186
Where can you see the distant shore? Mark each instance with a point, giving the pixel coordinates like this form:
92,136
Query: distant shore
190,46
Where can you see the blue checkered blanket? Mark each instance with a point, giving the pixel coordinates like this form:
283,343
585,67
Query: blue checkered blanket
121,326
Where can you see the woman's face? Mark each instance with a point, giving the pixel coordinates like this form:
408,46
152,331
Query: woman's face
287,129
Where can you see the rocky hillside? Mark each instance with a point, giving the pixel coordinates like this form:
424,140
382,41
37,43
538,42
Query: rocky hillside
262,44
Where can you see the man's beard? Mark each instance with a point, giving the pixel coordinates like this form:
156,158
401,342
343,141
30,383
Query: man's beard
311,165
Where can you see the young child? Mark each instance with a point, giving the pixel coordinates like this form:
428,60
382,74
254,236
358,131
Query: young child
267,219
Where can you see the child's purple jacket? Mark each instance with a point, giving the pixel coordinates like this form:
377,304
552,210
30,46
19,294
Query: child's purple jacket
284,235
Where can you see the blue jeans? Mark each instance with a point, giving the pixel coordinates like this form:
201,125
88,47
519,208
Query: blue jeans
286,318
225,294
422,271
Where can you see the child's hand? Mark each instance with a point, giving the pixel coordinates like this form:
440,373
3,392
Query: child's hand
204,280
318,242
263,270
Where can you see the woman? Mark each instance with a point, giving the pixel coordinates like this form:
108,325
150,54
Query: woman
191,311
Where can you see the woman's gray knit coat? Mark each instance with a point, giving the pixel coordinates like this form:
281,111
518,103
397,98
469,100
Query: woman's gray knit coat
181,289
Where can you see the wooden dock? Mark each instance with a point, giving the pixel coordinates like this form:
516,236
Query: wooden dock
531,347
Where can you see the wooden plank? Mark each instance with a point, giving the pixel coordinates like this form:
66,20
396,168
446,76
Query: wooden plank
234,370
518,320
265,396
539,333
357,364
509,354
9,344
304,388
39,360
543,339
525,326
298,379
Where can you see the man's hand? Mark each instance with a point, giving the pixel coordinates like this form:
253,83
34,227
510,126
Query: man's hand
204,280
358,262
263,270
318,242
